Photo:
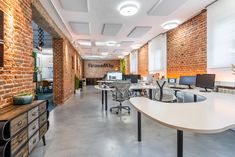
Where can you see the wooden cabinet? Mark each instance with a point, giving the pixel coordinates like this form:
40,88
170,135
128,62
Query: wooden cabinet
22,127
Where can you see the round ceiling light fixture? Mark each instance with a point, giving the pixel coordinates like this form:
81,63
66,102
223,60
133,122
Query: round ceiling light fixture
128,8
170,24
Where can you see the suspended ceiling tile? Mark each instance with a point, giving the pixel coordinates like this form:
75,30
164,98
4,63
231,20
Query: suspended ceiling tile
138,31
165,7
80,28
74,5
110,29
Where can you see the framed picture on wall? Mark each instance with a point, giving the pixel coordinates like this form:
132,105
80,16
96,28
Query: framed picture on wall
1,39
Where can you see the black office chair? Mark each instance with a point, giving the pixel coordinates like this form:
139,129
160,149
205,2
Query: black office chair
120,95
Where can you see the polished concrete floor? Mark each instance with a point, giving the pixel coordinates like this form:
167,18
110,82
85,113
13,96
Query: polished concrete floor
80,128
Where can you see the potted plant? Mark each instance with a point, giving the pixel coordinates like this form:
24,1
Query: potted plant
123,65
23,99
76,84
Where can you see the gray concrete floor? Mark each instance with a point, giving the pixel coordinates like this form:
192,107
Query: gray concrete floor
80,128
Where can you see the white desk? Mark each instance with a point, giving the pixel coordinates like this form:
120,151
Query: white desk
104,95
215,114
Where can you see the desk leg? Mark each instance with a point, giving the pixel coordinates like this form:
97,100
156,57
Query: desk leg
139,126
102,97
106,100
195,98
150,94
179,143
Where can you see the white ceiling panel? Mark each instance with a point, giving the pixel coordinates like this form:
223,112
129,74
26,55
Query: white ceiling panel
138,31
74,5
126,43
111,29
80,28
165,7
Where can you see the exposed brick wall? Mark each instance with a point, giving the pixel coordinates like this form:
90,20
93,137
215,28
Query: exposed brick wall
127,59
67,64
143,60
98,72
17,75
187,47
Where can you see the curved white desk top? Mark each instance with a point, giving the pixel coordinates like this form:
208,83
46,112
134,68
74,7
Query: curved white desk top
142,86
107,88
215,114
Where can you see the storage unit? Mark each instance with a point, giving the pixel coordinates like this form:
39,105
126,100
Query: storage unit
22,127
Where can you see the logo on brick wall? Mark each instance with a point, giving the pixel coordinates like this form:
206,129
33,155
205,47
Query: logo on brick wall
105,65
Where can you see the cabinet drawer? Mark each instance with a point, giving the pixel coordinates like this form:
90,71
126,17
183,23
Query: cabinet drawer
42,108
43,119
18,141
33,141
32,114
24,152
18,123
32,128
43,130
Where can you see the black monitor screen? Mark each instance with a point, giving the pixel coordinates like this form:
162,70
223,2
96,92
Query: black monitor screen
132,78
206,81
172,80
187,80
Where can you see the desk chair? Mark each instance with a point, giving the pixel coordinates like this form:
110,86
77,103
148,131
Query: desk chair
120,95
167,96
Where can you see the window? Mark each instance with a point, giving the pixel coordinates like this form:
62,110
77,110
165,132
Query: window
157,54
134,62
221,34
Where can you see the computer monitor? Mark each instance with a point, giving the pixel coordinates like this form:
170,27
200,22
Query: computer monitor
206,81
132,78
172,80
188,80
114,76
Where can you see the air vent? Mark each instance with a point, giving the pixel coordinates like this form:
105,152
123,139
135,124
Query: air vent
111,29
138,31
80,28
74,5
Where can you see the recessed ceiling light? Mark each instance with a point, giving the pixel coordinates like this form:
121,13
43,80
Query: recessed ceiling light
111,43
104,53
128,8
84,43
98,43
135,46
170,24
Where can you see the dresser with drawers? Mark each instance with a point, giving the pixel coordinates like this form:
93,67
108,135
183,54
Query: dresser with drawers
22,127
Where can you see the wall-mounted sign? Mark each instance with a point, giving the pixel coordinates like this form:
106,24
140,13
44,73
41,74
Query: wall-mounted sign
105,65
1,38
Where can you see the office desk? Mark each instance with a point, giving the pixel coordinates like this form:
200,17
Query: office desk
215,114
143,86
104,95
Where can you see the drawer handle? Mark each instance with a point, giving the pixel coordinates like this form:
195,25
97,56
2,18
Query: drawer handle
34,127
19,140
34,141
34,114
19,123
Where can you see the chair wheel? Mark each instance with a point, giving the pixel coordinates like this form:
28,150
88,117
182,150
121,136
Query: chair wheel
129,112
116,112
111,110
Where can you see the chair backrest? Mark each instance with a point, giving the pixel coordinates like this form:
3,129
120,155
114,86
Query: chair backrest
122,90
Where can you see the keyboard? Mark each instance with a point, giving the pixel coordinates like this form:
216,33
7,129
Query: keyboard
174,87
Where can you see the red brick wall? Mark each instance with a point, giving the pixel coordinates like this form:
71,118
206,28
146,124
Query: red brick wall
17,75
187,47
98,72
143,60
67,64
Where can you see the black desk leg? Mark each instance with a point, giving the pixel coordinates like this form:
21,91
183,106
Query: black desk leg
179,143
139,126
102,97
44,140
106,100
150,94
195,98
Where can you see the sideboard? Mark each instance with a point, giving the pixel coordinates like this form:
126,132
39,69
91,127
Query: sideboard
22,127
